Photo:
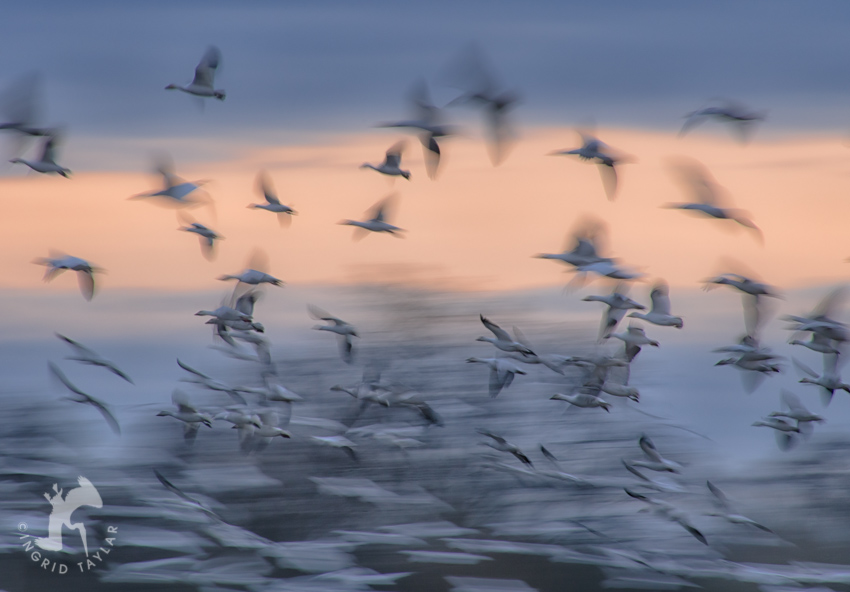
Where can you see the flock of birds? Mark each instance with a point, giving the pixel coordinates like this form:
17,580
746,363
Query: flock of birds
263,415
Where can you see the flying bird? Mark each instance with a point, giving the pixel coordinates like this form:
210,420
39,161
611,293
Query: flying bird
392,163
88,356
203,85
377,222
79,396
284,212
46,163
344,330
85,271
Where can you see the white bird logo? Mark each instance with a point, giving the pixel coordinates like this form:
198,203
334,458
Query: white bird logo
84,495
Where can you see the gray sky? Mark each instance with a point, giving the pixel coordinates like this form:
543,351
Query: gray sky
299,67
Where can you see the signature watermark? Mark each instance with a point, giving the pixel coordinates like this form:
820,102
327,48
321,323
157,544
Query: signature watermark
64,506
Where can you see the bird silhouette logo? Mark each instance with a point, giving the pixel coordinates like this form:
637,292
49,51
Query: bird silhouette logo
63,507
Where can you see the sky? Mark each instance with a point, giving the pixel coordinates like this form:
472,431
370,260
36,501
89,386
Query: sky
307,84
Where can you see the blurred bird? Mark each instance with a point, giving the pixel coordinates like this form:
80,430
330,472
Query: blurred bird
594,150
725,509
188,414
176,192
585,400
659,314
392,163
207,236
654,462
708,196
502,340
502,445
618,304
46,163
203,83
377,222
79,396
786,432
426,123
633,338
20,111
502,373
336,325
793,408
471,73
264,185
59,263
85,355
740,119
671,512
252,277
829,380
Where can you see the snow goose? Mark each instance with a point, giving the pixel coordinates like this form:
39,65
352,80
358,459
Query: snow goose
377,222
59,263
85,355
392,163
203,83
79,396
660,311
46,163
284,212
336,325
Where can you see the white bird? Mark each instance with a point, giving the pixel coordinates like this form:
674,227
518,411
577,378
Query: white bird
253,277
708,196
188,414
392,163
725,509
176,192
210,383
594,150
633,339
502,373
79,396
618,304
284,212
377,222
47,161
670,512
785,431
502,340
85,355
225,313
829,380
20,108
793,408
654,462
502,445
203,83
85,271
584,400
337,441
737,116
268,430
245,422
659,314
336,325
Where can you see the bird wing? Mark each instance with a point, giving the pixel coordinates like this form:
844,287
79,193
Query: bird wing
719,497
55,371
264,185
191,370
79,347
106,413
393,157
649,449
500,333
660,297
181,401
48,152
85,279
205,70
792,401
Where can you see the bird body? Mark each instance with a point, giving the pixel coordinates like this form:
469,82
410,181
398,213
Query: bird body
392,163
659,314
253,278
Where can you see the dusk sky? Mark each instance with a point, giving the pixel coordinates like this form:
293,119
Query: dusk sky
307,86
